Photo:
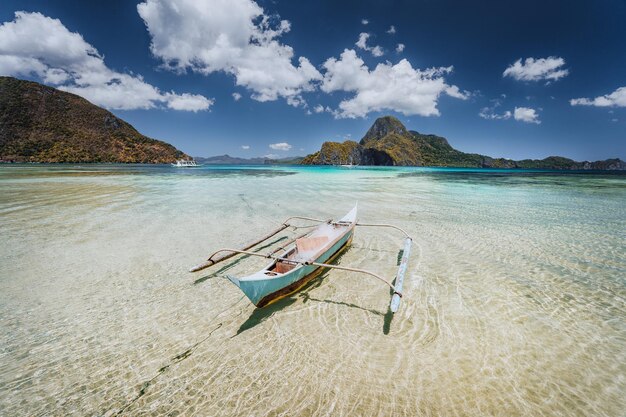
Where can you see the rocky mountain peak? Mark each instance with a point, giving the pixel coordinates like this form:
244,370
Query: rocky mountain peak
382,127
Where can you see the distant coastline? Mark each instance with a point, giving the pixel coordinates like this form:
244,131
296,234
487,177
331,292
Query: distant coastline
389,143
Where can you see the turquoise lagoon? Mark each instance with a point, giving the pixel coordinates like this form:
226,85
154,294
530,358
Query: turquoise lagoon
515,300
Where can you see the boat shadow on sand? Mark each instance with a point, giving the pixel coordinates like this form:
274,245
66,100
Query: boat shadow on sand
259,315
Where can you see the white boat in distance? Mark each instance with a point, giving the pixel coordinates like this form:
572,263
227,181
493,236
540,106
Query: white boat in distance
183,163
350,165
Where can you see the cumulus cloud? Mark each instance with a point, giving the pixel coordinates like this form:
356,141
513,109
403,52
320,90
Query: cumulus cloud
550,69
245,147
320,109
377,51
400,47
231,36
522,114
397,87
236,96
364,21
37,45
281,146
526,114
391,30
489,114
615,99
362,44
188,102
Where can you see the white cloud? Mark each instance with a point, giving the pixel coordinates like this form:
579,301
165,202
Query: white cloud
232,36
397,87
34,44
188,102
55,76
391,30
282,146
377,51
522,114
271,156
400,47
245,147
362,42
364,21
321,109
526,114
236,96
489,114
616,99
537,69
453,91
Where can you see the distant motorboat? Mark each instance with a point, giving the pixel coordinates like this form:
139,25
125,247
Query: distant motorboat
350,165
184,163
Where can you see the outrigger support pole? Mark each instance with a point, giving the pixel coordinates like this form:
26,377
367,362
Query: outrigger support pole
292,262
362,271
397,293
212,261
385,225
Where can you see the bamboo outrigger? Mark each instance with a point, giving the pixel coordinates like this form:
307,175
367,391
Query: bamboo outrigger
302,257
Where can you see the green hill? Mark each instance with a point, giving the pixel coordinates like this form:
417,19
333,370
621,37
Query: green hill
42,124
388,142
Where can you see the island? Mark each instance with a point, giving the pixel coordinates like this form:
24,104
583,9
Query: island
388,142
43,124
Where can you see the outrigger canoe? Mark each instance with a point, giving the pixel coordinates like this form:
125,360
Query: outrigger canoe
302,258
294,269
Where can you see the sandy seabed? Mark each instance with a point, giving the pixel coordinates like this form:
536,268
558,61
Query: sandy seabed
515,299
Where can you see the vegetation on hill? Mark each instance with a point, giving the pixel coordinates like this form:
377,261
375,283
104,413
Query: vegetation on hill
42,124
388,142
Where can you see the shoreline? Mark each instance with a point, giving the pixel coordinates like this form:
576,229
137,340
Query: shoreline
359,167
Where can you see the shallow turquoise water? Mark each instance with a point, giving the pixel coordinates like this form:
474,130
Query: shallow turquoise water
514,302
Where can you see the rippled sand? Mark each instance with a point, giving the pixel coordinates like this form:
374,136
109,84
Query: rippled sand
514,303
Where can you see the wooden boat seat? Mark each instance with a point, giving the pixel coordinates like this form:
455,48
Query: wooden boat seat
281,267
307,244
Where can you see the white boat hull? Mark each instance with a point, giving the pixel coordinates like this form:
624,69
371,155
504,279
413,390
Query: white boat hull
266,286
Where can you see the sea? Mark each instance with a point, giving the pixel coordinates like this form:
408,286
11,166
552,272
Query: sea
514,303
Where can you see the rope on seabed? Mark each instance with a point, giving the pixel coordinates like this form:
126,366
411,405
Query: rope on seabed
178,358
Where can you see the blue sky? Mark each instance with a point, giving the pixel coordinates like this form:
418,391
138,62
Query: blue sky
506,79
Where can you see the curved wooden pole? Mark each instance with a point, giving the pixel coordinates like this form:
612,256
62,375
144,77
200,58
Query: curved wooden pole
293,262
212,261
306,218
386,225
361,271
